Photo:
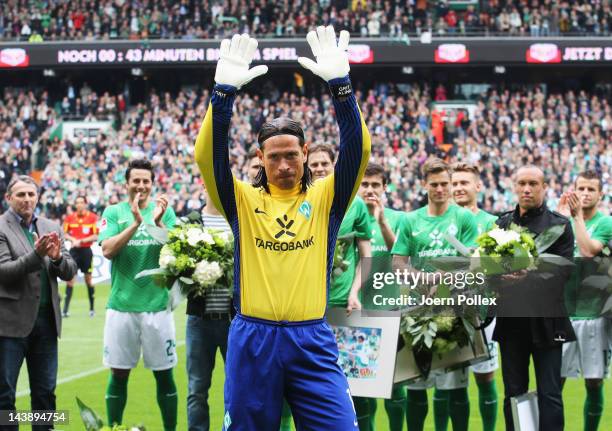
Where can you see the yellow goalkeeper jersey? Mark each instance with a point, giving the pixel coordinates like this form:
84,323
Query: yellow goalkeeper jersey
284,239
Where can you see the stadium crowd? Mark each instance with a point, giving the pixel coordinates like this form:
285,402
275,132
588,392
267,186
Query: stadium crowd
188,19
564,133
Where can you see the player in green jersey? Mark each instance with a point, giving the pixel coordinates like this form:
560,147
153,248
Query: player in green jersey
589,355
423,234
354,237
466,184
137,317
384,222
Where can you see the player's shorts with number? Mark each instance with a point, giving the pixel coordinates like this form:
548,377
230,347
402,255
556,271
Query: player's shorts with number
589,355
126,335
439,379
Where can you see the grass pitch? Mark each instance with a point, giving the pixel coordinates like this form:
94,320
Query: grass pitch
81,374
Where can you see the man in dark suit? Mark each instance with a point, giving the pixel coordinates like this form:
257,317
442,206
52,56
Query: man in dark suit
32,257
539,326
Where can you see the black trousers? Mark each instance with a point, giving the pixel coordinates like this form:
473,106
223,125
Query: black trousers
516,350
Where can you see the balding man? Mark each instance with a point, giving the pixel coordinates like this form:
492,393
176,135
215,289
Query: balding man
539,337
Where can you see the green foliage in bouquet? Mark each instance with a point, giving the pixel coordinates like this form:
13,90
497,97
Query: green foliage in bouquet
194,257
93,421
432,335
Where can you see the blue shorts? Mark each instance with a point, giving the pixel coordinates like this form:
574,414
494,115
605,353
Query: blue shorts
268,361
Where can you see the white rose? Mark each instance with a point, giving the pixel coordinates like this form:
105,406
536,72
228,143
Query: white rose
207,273
207,238
193,236
166,257
503,237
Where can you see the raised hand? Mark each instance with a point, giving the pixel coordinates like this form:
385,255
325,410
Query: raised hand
332,58
563,205
161,203
235,58
136,209
575,205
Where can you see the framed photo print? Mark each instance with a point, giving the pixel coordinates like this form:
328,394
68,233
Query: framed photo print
367,347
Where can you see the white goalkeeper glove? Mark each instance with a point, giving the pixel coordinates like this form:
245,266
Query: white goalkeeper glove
234,60
332,58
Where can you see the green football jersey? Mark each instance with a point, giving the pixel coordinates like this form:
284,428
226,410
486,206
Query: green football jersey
599,228
424,236
582,303
393,218
484,221
354,225
140,253
381,261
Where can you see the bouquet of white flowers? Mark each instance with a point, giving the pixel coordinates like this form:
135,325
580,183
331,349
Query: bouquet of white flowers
193,259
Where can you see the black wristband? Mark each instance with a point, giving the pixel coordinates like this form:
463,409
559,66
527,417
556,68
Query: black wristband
223,90
341,91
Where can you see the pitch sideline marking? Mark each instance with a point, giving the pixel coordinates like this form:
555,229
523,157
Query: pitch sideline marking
80,375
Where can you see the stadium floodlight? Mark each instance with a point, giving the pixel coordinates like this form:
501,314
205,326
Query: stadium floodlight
49,73
407,70
499,69
137,71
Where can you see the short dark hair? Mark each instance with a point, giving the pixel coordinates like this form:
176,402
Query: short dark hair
139,164
81,197
21,179
590,175
434,166
323,148
374,168
276,127
280,126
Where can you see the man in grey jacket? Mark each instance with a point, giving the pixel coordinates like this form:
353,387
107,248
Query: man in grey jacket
32,257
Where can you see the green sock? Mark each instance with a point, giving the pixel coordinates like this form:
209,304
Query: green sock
416,409
441,409
395,408
116,397
362,408
459,409
285,417
167,398
487,401
593,408
373,407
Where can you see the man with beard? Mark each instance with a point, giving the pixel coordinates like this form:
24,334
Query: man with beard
137,318
589,355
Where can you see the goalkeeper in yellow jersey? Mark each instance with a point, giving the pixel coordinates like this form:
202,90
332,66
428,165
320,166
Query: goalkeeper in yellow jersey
285,230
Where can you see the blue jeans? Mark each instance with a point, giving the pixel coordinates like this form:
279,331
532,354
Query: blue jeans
39,349
203,338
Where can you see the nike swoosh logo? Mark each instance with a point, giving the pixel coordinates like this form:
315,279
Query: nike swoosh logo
417,233
258,211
